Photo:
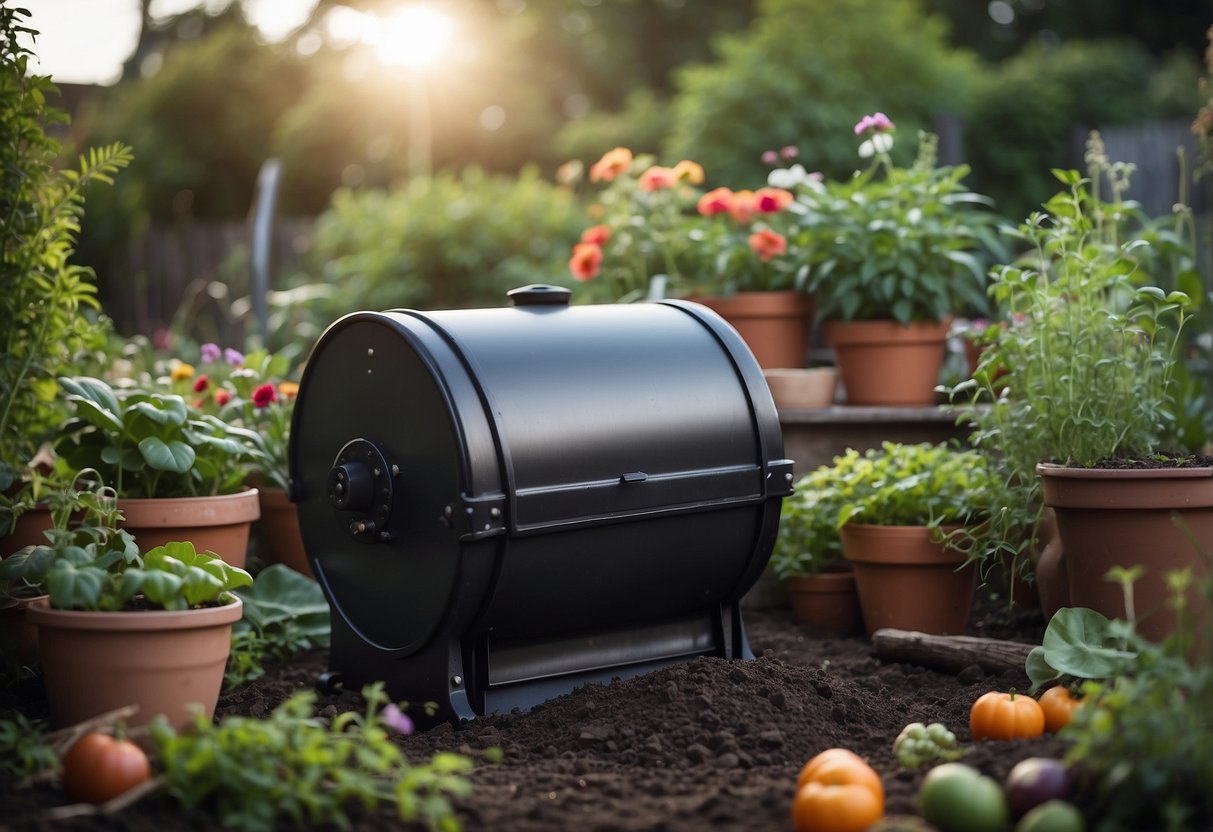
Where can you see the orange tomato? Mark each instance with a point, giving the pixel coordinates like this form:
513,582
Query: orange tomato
850,807
837,791
1058,704
1006,716
99,767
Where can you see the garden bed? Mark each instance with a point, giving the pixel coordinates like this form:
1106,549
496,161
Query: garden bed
707,744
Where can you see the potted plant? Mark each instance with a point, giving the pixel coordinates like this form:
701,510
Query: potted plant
656,234
45,300
892,254
179,474
120,627
1089,399
903,507
808,553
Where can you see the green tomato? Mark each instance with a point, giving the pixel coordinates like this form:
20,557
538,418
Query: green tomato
1052,816
958,798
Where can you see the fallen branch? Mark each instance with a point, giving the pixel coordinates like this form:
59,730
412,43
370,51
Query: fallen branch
949,653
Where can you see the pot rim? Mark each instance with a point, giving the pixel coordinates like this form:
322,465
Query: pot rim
894,539
212,510
42,614
1053,469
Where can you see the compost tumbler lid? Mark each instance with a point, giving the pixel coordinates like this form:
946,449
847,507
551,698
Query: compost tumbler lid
540,294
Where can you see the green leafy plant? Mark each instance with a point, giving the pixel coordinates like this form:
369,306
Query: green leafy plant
284,613
292,767
47,304
151,444
907,244
808,542
1142,733
1082,367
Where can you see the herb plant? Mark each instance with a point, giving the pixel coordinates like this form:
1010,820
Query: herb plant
150,444
808,542
45,301
24,747
294,768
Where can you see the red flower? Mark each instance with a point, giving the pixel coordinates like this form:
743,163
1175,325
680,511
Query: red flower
201,383
586,261
772,200
222,397
596,235
657,178
715,201
766,244
264,396
741,207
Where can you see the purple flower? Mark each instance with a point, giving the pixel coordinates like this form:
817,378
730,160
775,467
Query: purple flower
396,719
877,122
770,157
210,353
233,357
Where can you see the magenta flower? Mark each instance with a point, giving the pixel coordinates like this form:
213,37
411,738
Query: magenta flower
789,151
233,357
210,353
877,122
770,157
264,396
396,719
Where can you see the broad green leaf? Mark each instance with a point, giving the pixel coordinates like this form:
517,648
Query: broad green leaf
175,456
1078,642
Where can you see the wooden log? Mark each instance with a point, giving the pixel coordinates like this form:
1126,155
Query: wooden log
949,653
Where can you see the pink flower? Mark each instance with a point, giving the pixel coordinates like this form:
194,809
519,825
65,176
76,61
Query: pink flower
264,396
715,201
657,178
396,719
877,122
789,151
222,397
772,200
233,357
210,353
770,157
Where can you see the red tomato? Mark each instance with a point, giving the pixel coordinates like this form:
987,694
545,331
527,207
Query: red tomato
98,768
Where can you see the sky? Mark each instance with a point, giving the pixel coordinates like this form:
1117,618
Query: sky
86,41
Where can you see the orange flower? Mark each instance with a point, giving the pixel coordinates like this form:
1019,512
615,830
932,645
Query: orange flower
715,201
690,172
222,397
596,235
741,207
772,200
657,178
288,389
586,261
612,163
767,244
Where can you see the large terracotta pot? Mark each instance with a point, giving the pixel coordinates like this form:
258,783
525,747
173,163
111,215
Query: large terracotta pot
774,325
829,602
1123,517
278,531
93,662
29,530
884,363
908,581
18,637
218,524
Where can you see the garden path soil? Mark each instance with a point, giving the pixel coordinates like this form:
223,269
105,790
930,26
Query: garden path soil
709,744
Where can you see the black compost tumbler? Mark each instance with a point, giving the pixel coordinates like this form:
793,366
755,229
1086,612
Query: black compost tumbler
504,504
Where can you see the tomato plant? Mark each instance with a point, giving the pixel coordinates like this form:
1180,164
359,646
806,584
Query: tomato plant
837,791
1006,716
99,767
1058,704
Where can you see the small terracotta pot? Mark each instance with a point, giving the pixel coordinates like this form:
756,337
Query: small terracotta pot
828,602
908,581
774,325
1124,517
278,531
18,637
796,389
886,364
93,662
218,524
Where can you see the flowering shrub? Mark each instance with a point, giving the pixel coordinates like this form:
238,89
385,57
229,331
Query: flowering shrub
653,222
892,243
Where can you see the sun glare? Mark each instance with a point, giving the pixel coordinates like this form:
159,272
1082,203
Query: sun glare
415,36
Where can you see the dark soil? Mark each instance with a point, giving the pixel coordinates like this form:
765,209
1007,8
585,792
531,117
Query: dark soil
709,744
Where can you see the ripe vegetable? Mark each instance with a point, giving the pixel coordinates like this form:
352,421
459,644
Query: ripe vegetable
958,798
99,767
837,792
1006,716
1053,816
1059,705
1034,781
918,744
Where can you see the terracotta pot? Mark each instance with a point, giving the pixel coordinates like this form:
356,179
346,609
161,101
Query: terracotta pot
794,389
1052,577
774,325
93,662
828,602
907,581
28,530
18,637
217,524
884,363
1119,517
278,531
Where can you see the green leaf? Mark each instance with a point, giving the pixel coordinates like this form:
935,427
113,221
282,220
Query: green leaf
173,456
1078,642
